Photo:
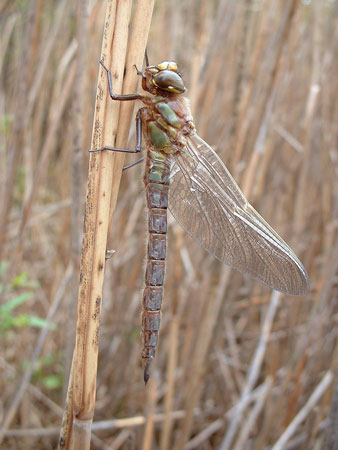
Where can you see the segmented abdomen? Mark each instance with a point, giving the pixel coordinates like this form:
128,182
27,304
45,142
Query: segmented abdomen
156,182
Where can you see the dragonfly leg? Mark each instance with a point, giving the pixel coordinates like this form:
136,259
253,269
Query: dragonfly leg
138,161
119,97
139,72
146,57
138,146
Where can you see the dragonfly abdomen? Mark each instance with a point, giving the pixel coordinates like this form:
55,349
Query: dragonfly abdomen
156,181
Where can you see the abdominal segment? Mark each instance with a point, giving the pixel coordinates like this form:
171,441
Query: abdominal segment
156,181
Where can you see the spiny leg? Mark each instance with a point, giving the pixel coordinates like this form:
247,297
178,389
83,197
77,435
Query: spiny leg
138,146
127,97
120,97
138,161
146,57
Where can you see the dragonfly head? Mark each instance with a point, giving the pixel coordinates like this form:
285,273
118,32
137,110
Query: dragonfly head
164,77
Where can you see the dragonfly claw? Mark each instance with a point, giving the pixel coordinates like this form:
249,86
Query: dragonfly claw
139,72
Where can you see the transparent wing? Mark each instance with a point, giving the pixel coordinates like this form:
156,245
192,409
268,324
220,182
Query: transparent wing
208,204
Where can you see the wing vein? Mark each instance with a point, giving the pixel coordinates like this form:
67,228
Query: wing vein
206,201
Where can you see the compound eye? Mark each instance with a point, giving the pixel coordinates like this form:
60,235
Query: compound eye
168,65
153,69
173,66
169,81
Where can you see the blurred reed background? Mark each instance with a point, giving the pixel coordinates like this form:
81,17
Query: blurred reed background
262,81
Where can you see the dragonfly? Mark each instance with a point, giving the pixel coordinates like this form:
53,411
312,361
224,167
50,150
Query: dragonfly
185,175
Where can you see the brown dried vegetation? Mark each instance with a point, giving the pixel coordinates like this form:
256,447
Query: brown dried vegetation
236,367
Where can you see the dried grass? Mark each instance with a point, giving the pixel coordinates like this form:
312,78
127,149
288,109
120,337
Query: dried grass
235,367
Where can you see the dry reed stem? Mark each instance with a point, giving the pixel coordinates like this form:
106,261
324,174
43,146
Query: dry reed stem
29,98
149,426
251,420
305,183
332,433
76,174
291,140
281,36
5,38
296,382
234,353
205,434
254,371
32,176
82,385
305,411
199,54
208,99
120,440
259,149
230,385
218,424
214,67
17,139
173,341
114,424
247,94
58,110
135,56
103,183
240,69
201,346
171,370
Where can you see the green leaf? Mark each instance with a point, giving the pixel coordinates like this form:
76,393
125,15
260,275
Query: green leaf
3,267
6,322
15,302
20,321
52,382
20,280
6,120
40,323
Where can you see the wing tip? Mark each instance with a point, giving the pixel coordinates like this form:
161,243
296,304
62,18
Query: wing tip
299,288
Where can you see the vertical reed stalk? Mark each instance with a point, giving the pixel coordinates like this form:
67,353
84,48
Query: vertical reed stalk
202,344
172,344
150,423
332,432
240,69
17,140
281,37
253,372
58,111
77,172
103,184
